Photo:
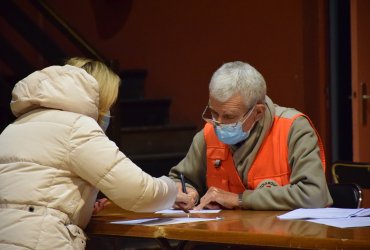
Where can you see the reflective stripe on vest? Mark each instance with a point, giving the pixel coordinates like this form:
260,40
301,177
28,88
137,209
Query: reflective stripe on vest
273,153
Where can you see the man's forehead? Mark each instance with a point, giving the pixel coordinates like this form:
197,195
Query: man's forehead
227,107
236,102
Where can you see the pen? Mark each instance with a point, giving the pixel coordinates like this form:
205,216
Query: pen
183,183
185,210
184,191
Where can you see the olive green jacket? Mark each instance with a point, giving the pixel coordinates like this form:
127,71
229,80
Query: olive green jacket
308,186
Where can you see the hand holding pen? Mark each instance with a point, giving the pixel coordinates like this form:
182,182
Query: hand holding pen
183,184
183,187
186,196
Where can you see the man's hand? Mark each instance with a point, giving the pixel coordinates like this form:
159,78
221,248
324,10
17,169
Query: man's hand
183,200
216,198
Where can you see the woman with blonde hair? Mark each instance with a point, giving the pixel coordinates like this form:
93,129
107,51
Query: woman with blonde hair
55,157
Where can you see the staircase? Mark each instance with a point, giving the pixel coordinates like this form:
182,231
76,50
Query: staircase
143,130
140,127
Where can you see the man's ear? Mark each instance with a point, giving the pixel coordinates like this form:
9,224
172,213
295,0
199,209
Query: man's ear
260,108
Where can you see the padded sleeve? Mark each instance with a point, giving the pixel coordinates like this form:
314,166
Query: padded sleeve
99,161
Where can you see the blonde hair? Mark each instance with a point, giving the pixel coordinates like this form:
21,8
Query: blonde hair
108,81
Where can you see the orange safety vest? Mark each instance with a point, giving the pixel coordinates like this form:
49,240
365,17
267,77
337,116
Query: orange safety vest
270,167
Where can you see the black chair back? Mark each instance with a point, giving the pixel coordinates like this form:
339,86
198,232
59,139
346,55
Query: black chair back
352,172
345,195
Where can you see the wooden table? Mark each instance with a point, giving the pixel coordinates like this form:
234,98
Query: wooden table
238,227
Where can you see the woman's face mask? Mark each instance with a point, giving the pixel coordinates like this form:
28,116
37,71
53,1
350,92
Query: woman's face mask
233,133
105,120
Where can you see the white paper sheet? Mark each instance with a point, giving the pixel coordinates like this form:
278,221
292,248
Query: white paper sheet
336,217
320,213
176,211
162,221
345,222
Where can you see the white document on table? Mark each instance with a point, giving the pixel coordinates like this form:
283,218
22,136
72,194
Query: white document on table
344,222
324,213
162,221
336,217
176,211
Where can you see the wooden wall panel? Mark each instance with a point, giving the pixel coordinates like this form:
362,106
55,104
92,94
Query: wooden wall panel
181,43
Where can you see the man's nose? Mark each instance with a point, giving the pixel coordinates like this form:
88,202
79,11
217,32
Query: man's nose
218,120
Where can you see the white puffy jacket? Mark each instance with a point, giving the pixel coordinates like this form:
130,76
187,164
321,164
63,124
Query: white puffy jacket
55,157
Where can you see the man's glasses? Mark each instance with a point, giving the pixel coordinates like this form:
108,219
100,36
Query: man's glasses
209,117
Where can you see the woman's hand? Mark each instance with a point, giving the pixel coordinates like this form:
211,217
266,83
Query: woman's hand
100,205
183,200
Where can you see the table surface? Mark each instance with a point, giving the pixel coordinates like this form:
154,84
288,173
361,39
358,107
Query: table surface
242,227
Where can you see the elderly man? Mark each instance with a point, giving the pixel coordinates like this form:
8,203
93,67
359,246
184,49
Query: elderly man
252,153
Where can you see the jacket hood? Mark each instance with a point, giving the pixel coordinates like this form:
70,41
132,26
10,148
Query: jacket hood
65,88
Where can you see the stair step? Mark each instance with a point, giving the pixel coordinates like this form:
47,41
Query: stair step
156,139
144,112
17,17
133,82
159,156
14,59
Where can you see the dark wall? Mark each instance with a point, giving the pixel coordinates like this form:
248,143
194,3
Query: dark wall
340,81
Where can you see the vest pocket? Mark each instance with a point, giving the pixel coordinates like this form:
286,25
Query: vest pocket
217,181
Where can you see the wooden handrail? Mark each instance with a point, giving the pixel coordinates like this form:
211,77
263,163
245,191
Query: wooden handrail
68,31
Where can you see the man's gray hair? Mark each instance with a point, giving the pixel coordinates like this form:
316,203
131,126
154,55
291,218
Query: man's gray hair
238,77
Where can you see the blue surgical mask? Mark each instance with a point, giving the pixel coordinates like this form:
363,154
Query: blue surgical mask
233,133
105,120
